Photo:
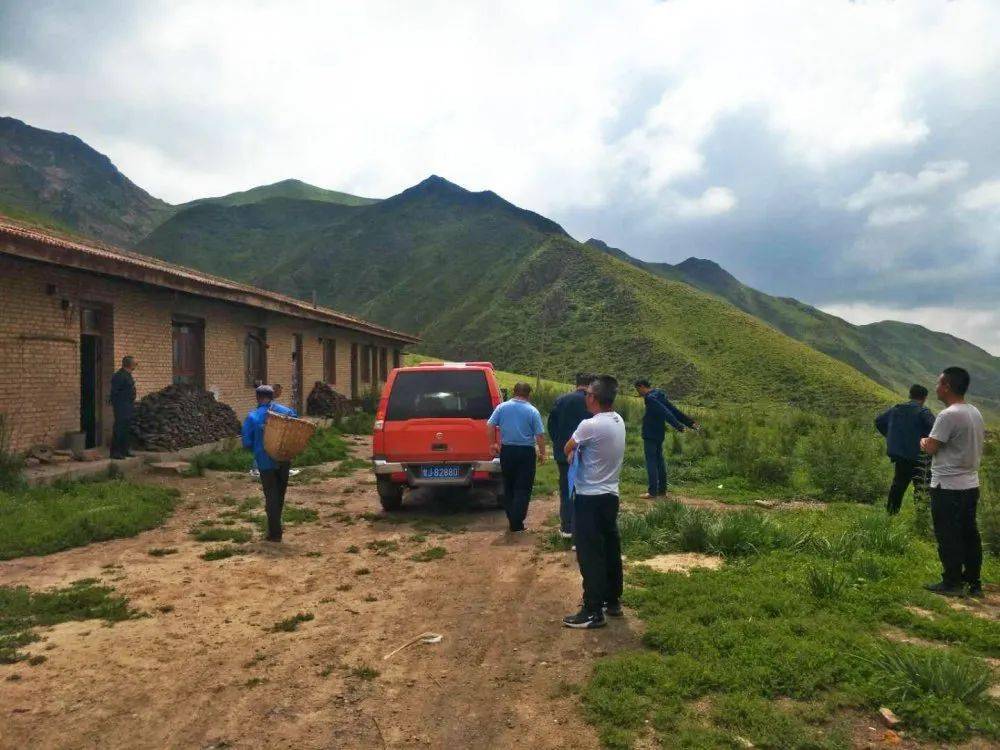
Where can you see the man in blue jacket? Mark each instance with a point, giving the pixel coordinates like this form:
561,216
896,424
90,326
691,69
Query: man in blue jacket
568,411
659,412
273,474
903,425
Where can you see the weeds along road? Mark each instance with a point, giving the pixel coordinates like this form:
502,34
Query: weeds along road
207,669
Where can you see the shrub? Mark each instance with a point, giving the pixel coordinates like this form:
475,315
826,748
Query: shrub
826,582
741,534
911,672
844,462
11,464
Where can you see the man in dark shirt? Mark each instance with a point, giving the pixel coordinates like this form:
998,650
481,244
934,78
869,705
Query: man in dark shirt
568,411
659,412
122,401
903,425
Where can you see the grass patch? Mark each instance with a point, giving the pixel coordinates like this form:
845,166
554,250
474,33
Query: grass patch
325,445
220,534
364,672
221,553
784,641
41,520
347,467
291,623
23,610
383,546
429,554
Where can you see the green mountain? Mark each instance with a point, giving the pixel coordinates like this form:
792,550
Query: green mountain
59,181
478,276
891,353
435,257
284,189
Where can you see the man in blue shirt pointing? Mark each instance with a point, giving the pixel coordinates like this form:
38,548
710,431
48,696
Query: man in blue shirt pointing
273,474
659,411
514,429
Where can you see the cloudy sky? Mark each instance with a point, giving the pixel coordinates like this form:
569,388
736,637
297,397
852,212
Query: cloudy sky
844,153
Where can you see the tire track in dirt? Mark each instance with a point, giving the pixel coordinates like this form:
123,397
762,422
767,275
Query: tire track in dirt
204,670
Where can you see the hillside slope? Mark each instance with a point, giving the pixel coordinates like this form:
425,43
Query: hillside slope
892,353
283,189
480,277
57,179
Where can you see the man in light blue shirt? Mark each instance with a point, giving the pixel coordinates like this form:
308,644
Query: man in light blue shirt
514,429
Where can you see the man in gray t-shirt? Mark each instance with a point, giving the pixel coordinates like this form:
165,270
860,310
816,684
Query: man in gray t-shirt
956,447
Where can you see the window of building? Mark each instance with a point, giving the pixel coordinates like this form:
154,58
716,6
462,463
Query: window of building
366,364
329,360
255,356
383,364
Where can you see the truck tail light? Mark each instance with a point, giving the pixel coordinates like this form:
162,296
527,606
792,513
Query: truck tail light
398,477
480,476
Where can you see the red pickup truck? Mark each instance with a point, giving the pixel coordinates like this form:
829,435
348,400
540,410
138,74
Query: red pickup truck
430,429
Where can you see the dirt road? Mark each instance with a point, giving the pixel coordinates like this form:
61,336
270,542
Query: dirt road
204,670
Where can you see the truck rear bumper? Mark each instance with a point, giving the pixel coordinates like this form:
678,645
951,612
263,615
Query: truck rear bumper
409,473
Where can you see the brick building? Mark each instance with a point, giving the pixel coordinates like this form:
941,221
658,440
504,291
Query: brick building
69,311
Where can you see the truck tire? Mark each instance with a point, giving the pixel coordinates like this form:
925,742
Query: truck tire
389,494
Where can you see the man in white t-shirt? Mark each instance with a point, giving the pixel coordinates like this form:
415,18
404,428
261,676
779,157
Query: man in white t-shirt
956,447
599,447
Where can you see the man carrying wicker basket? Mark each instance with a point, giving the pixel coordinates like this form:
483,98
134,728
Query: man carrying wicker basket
273,474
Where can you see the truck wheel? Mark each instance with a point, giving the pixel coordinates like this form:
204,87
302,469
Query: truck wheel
389,494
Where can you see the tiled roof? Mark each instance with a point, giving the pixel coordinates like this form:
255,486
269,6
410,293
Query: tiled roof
35,243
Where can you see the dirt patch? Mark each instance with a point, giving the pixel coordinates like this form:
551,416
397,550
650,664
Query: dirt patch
209,666
681,562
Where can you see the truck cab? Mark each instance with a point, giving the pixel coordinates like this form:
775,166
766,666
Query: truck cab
430,429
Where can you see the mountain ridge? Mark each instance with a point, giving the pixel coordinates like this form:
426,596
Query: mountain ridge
288,236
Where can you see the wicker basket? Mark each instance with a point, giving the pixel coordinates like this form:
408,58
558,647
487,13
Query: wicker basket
286,437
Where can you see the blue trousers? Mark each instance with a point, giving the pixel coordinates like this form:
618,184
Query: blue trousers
656,466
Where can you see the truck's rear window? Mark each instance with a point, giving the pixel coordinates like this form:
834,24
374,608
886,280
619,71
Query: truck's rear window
440,394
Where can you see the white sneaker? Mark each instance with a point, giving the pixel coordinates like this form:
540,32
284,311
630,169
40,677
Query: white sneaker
566,534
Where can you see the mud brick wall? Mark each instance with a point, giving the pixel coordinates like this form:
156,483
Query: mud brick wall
40,346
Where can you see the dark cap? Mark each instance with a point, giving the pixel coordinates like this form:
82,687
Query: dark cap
265,390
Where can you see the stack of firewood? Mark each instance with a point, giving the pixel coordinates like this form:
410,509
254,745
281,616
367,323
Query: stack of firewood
326,402
180,416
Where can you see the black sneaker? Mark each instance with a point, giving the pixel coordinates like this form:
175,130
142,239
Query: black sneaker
976,590
585,619
945,589
613,609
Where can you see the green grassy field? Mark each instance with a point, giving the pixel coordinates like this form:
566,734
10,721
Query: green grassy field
42,520
785,645
21,611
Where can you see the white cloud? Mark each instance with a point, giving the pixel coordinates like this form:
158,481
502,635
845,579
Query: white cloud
886,186
984,195
525,99
981,326
887,216
714,201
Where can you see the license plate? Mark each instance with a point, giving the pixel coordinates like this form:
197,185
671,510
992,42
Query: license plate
442,472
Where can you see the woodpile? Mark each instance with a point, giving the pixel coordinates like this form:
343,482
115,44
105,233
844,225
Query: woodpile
326,402
180,416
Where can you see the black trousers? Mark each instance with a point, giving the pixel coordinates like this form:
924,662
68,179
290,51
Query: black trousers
275,483
517,465
904,472
959,545
598,549
120,433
